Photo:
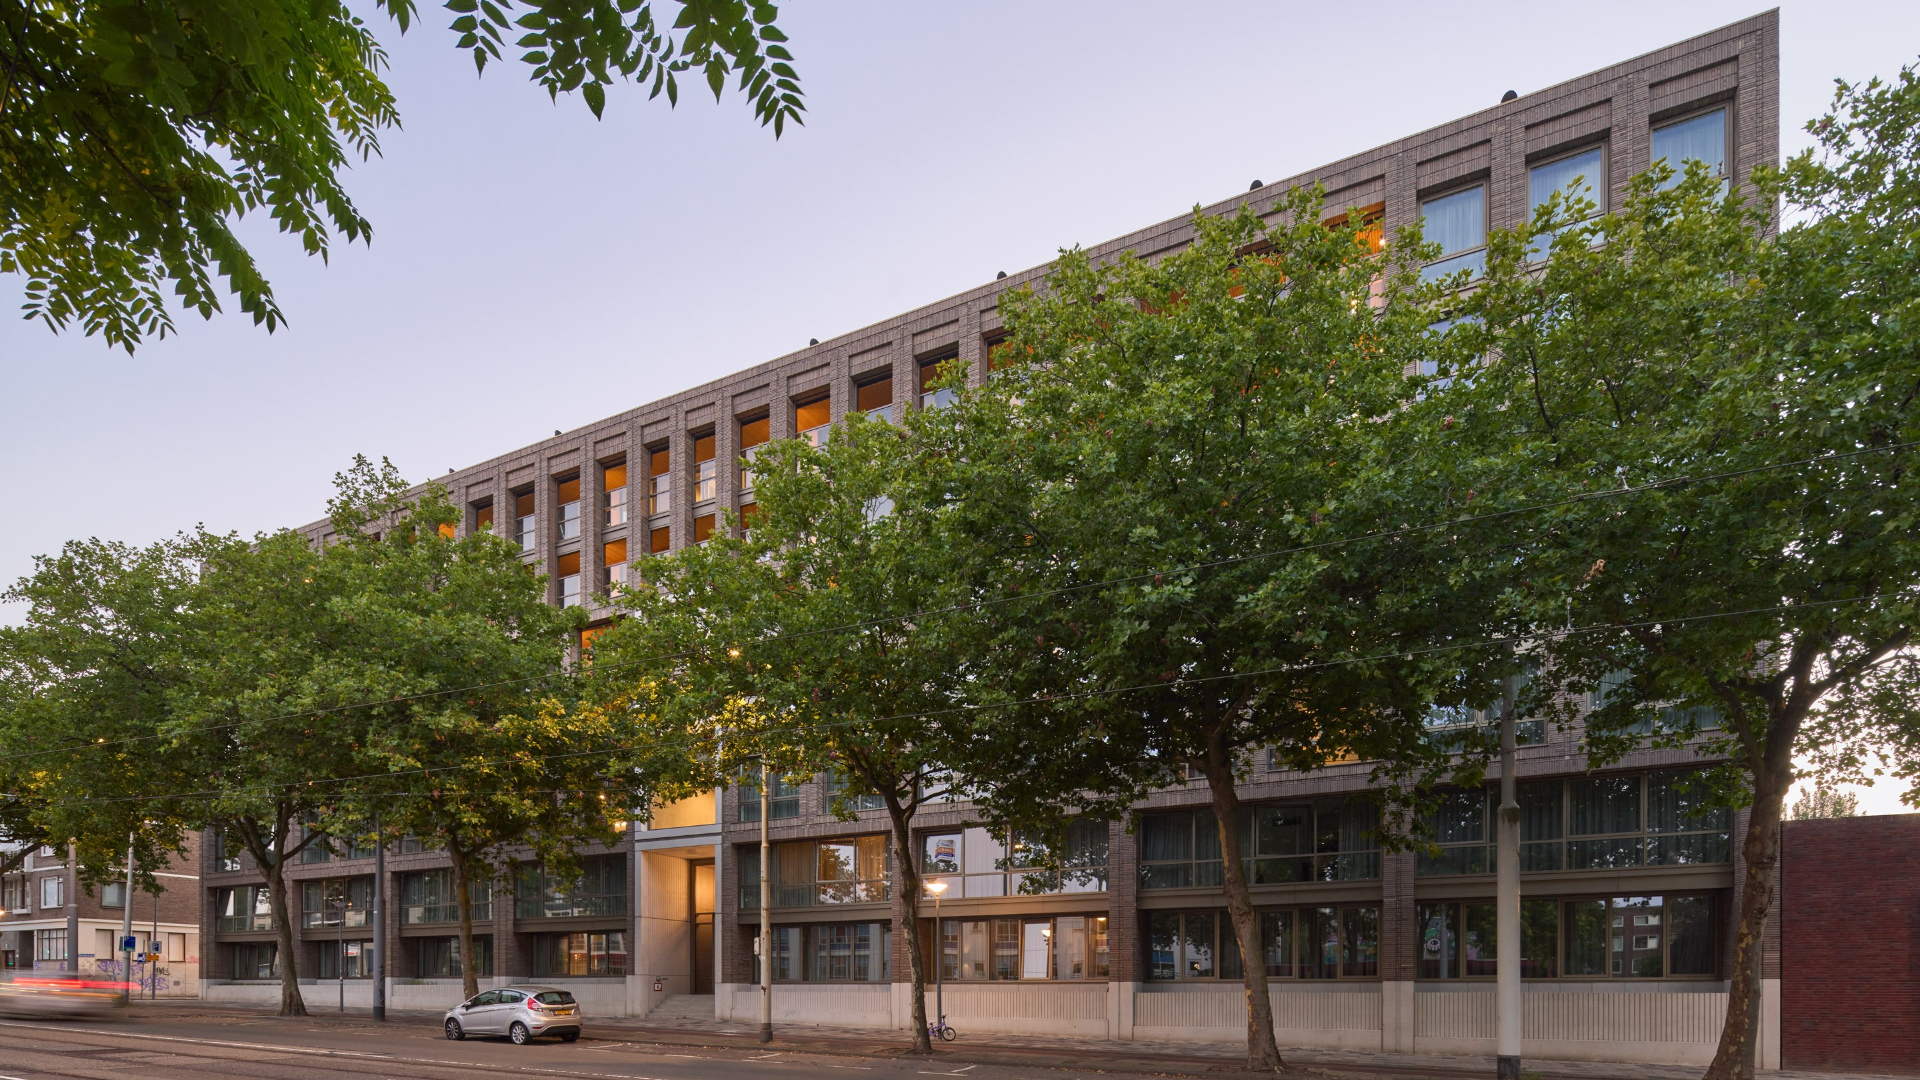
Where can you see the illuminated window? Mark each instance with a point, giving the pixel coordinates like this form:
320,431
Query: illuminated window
810,419
930,397
524,520
705,470
613,494
569,498
590,635
447,529
483,516
703,528
875,397
613,556
658,541
567,569
659,482
753,433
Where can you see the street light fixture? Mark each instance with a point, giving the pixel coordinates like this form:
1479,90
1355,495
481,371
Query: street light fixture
940,953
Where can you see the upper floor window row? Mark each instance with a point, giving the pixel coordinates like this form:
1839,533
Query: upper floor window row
1323,840
972,862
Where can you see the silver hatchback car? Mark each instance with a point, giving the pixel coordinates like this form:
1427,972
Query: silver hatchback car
521,1013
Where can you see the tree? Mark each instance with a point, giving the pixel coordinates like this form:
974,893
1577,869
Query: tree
479,755
1826,802
1766,607
808,645
132,132
1165,459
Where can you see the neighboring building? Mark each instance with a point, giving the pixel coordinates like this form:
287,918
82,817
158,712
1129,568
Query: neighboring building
1628,886
34,932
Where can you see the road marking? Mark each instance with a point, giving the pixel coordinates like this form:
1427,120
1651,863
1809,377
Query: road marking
205,1042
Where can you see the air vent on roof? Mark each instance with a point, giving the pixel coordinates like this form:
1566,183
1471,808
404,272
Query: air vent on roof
1509,96
999,275
1255,186
813,341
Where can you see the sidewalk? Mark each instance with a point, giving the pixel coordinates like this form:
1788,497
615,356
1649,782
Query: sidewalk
1217,1061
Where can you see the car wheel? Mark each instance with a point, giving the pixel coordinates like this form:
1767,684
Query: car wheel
519,1033
453,1030
569,1036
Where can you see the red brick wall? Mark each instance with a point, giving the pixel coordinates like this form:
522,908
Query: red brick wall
1850,944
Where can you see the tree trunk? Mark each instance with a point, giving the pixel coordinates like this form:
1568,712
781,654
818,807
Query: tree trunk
462,893
910,922
1263,1053
272,864
1740,1037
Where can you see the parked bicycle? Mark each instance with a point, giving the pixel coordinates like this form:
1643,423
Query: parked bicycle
941,1030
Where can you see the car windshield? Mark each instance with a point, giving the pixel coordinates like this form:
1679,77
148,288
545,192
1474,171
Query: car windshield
554,997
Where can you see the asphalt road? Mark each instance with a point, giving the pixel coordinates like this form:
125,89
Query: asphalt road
269,1048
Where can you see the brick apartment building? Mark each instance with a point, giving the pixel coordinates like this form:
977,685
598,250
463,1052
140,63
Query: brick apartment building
1628,887
34,935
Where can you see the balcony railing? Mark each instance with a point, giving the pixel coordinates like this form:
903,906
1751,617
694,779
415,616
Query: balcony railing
562,907
232,923
411,914
310,919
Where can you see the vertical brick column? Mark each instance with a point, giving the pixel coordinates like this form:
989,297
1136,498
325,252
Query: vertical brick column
511,956
1399,949
972,354
592,521
1125,947
680,480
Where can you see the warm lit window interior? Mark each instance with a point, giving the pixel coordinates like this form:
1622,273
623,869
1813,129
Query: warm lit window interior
659,482
753,433
931,398
810,419
613,497
447,530
483,517
705,473
523,519
657,540
702,528
569,498
874,396
567,569
613,555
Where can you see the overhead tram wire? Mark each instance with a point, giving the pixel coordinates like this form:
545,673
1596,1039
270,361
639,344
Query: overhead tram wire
1318,545
1318,665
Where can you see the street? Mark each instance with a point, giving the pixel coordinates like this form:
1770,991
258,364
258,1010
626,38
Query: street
413,1049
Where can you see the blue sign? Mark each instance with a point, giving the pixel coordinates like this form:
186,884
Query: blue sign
128,944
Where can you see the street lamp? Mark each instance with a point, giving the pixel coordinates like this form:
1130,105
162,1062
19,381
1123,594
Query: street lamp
939,953
340,958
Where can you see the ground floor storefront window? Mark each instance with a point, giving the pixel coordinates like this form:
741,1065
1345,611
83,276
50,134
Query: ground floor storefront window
1053,947
440,957
1305,943
351,959
832,952
49,945
1599,937
256,960
595,953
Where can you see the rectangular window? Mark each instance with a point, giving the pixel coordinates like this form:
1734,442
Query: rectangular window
703,528
440,958
353,959
1683,827
974,864
1700,138
659,482
613,494
244,907
849,952
613,562
836,784
705,475
567,569
482,516
427,897
1597,807
807,873
1691,935
1585,937
1068,948
875,397
53,892
1459,826
1329,943
1462,941
525,521
336,902
49,945
1457,221
581,955
1637,936
810,419
256,960
785,951
659,540
932,397
1580,175
786,798
753,434
567,495
601,889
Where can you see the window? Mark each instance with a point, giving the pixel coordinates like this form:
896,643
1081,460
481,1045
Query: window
600,890
613,561
427,897
659,482
1460,940
836,783
810,419
336,902
14,895
482,516
440,958
351,959
706,476
1700,138
931,397
568,496
1664,718
875,397
226,851
786,798
582,955
1580,175
1307,943
1457,221
753,434
1589,823
176,948
567,568
1067,947
853,870
973,863
524,520
244,907
613,494
1640,937
49,945
113,894
256,960
785,952
319,849
703,528
848,952
53,892
1326,840
659,540
1460,727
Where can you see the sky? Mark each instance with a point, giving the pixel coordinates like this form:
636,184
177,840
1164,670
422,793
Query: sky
533,269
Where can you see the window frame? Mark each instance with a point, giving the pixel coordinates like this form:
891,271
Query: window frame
1302,925
1599,187
1725,109
1452,262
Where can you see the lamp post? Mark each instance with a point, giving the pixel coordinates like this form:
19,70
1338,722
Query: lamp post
340,958
126,931
766,913
939,954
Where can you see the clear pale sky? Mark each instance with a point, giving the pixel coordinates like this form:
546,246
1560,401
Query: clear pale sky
533,269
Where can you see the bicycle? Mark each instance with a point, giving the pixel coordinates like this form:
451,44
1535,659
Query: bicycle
942,1030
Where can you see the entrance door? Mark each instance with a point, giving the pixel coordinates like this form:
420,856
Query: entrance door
703,928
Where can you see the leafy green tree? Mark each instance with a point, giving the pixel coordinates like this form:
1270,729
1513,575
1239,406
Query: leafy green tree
1165,460
807,644
478,756
133,132
1766,609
